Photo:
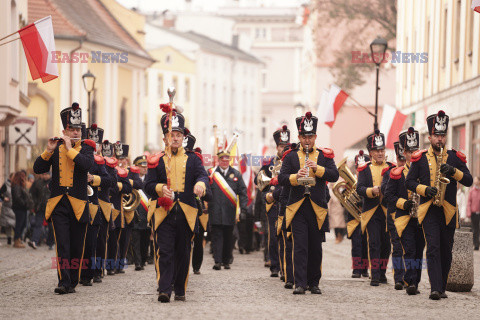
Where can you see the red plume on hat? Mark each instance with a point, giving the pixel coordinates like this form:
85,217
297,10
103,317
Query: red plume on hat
165,107
411,130
377,132
284,128
75,106
441,113
360,152
105,141
197,149
308,115
93,126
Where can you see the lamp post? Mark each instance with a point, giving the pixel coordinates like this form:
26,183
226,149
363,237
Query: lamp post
89,84
378,48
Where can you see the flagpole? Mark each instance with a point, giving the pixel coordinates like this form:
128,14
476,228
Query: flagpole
1,44
359,105
11,34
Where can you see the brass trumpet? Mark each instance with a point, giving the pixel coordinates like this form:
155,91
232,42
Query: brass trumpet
346,191
263,180
130,201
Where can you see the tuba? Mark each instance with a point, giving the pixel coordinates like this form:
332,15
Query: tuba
263,180
130,201
346,191
440,182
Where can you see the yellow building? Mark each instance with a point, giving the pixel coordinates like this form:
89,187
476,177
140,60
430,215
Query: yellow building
449,32
103,45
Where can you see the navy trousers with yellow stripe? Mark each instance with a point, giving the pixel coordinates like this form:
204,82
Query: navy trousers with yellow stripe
439,241
397,251
359,251
287,257
69,236
173,242
101,247
413,243
272,240
112,261
307,247
90,246
378,245
124,244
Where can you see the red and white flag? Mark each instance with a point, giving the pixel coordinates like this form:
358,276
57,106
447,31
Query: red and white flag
336,99
476,5
245,169
39,43
391,124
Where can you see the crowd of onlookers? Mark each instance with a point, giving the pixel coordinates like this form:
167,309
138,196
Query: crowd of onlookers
24,198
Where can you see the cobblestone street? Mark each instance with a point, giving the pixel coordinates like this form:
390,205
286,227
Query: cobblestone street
244,292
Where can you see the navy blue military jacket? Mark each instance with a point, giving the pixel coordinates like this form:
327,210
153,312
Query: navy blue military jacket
370,175
101,179
69,175
422,174
122,187
108,182
186,171
326,171
221,210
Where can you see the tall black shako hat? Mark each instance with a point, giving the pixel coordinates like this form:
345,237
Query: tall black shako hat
376,141
438,123
71,116
282,136
409,139
95,133
121,150
107,149
178,122
361,158
189,140
398,150
307,124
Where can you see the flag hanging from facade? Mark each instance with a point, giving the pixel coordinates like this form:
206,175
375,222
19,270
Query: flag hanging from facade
391,124
39,43
336,99
245,169
476,5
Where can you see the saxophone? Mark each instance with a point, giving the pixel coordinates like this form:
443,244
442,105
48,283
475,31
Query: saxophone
440,182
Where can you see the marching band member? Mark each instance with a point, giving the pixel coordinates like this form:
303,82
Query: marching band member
437,210
70,160
97,178
374,212
173,181
402,202
306,209
398,265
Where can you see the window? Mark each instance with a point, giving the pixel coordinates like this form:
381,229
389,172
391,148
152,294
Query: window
444,39
187,90
458,141
475,149
469,45
160,86
458,19
168,59
279,34
260,33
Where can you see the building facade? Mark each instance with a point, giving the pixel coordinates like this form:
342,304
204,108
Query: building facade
449,31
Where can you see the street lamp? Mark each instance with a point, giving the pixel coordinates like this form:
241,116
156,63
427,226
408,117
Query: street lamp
378,48
89,84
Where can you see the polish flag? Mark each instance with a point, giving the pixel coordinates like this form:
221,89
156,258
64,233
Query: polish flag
39,43
391,124
476,5
336,99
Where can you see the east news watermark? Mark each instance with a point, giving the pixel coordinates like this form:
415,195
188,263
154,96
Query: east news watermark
92,57
395,57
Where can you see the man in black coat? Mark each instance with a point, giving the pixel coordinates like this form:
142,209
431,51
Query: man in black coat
438,220
226,184
67,206
306,170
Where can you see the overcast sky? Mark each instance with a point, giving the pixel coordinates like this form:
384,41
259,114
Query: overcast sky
208,5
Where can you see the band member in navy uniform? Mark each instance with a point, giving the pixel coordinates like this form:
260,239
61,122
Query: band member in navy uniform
134,179
438,220
141,232
354,233
374,212
105,208
398,265
282,138
67,207
123,186
402,202
306,210
226,184
174,179
97,178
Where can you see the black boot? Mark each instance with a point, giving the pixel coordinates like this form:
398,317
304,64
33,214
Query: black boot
398,286
288,285
299,290
315,290
163,297
435,295
217,266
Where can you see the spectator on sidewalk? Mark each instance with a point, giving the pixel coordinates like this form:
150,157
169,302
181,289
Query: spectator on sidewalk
40,195
473,211
7,216
21,203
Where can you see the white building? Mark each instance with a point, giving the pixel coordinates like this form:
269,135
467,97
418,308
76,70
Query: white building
227,87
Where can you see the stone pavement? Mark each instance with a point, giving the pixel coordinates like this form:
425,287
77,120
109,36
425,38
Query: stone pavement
244,292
